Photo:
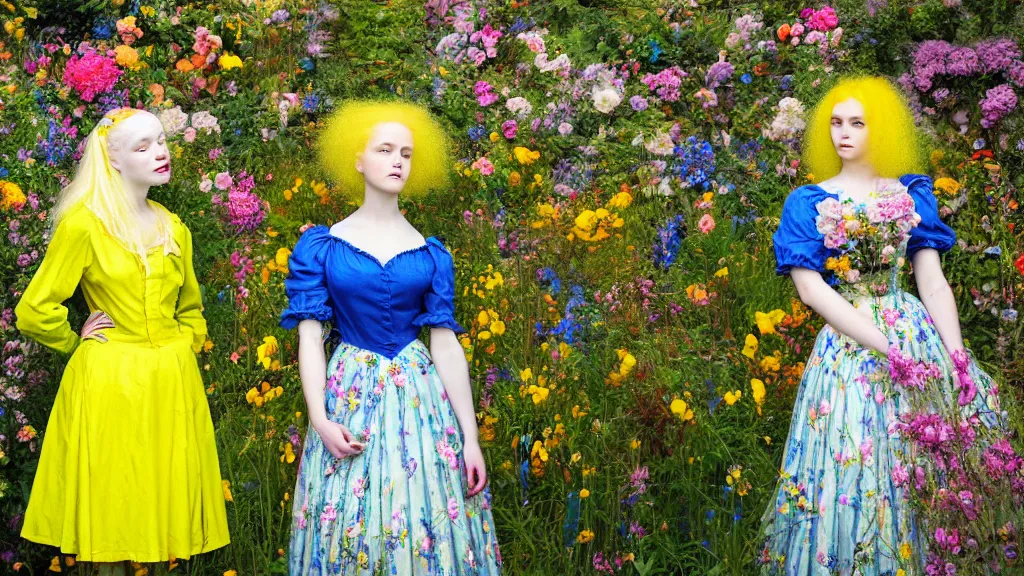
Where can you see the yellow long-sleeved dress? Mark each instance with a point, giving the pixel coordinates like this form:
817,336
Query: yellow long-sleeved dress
128,469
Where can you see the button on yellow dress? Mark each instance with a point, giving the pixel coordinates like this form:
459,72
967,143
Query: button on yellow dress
128,469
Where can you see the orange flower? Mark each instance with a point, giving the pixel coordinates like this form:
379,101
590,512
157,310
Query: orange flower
198,60
184,65
783,32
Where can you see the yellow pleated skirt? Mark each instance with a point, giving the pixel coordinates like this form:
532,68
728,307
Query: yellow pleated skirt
129,469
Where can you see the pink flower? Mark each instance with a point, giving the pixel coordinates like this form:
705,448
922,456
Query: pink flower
190,134
223,181
329,515
899,475
823,20
453,509
91,74
706,224
483,165
509,128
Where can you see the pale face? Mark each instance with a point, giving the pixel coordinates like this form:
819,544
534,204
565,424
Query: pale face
137,147
849,130
387,159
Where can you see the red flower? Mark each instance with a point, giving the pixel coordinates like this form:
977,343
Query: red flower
1019,263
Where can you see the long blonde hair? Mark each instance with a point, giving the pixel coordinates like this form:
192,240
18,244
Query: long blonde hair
99,187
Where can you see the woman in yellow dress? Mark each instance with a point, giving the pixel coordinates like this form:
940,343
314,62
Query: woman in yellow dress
128,470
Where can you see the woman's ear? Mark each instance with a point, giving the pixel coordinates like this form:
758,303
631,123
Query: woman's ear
359,163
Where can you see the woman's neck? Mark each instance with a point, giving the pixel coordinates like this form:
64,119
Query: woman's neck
380,207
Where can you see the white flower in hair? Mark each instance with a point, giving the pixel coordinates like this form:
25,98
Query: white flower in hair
105,122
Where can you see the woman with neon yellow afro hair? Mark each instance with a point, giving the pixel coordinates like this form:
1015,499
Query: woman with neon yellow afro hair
860,469
129,469
392,478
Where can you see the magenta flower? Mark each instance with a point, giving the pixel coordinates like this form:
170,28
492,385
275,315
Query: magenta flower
91,74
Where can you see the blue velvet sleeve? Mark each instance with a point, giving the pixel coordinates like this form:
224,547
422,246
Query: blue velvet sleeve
306,284
439,300
932,232
798,244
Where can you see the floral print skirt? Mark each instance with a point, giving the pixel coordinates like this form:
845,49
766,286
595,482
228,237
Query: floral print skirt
399,507
840,507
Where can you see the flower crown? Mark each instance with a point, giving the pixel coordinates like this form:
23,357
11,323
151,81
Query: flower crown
112,118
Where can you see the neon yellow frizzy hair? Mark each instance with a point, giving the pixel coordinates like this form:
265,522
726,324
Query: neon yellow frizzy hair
99,187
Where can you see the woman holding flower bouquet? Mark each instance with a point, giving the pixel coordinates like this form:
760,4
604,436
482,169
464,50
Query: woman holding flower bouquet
895,463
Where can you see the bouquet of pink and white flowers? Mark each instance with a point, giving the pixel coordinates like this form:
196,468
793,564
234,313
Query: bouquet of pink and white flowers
870,237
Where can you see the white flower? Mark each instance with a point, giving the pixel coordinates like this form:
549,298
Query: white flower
205,122
606,99
173,121
660,145
519,106
789,122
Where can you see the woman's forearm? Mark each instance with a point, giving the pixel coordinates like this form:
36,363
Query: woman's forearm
938,299
450,362
313,369
837,311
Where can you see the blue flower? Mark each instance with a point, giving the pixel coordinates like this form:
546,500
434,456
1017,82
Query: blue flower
655,50
670,238
3,172
786,82
307,64
476,133
746,78
311,102
103,28
697,162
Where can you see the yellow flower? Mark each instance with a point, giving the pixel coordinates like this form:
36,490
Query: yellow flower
515,178
770,363
634,444
766,322
11,195
229,61
252,395
483,318
525,155
680,408
55,564
947,185
289,454
498,327
539,393
905,551
585,536
750,346
127,57
757,387
526,375
731,397
722,272
226,484
621,200
231,573
538,451
584,493
484,335
266,350
494,137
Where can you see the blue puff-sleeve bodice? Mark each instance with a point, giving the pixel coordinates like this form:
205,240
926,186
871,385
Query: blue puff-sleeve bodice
376,306
798,244
931,232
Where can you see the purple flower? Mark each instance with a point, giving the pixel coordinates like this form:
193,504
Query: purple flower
997,54
509,128
997,103
639,103
962,61
718,73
